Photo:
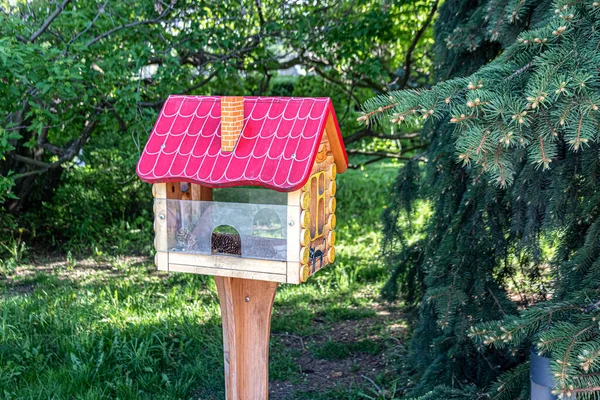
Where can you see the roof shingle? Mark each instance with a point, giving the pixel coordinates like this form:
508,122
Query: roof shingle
276,149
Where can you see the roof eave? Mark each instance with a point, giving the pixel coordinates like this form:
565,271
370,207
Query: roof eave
336,140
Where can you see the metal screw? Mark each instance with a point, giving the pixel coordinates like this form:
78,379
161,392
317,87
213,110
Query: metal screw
291,223
161,216
294,155
247,299
162,146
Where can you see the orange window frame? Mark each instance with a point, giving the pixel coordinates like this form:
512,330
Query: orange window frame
318,205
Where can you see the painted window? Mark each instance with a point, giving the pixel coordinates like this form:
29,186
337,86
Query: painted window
317,206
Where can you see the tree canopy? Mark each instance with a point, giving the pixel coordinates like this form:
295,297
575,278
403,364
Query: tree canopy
73,70
511,176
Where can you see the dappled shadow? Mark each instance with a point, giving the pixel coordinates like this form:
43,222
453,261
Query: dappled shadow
90,273
120,325
115,331
342,353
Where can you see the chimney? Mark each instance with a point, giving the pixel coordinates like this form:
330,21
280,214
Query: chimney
232,121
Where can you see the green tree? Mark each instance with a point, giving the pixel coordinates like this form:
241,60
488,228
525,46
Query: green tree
525,127
82,82
74,70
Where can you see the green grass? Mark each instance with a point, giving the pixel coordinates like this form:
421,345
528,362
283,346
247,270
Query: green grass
113,327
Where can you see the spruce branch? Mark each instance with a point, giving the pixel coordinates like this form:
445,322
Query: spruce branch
534,78
528,119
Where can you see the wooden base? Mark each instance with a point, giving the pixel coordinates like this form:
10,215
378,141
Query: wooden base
246,307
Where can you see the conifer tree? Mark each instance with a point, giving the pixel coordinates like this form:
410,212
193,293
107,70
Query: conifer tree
514,162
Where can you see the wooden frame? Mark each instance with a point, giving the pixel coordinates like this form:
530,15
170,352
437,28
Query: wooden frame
187,235
312,250
246,307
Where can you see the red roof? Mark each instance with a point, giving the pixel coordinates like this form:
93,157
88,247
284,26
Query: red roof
276,149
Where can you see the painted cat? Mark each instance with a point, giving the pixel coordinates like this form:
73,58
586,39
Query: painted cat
315,253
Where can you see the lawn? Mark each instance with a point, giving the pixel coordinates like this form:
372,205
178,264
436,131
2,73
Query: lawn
109,327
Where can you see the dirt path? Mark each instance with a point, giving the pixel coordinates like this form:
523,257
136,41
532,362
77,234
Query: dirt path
345,354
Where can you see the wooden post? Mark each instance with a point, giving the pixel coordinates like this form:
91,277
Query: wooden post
246,307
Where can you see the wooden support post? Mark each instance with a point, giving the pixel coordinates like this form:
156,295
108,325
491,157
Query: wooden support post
246,307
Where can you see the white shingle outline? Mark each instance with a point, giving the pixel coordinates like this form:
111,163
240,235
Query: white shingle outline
285,147
224,179
246,137
161,151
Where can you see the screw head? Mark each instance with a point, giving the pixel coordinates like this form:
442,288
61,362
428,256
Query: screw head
291,223
247,299
161,216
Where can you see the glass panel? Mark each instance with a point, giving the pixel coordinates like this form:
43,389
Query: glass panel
238,229
321,183
249,195
314,197
321,212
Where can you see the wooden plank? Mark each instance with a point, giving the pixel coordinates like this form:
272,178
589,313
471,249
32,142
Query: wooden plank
293,236
174,191
226,302
228,262
200,192
159,190
160,225
319,244
232,273
161,260
246,308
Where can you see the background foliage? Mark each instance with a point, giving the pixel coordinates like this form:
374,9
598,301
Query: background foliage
501,164
106,327
82,82
521,207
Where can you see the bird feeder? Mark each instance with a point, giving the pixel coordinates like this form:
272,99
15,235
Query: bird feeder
244,190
